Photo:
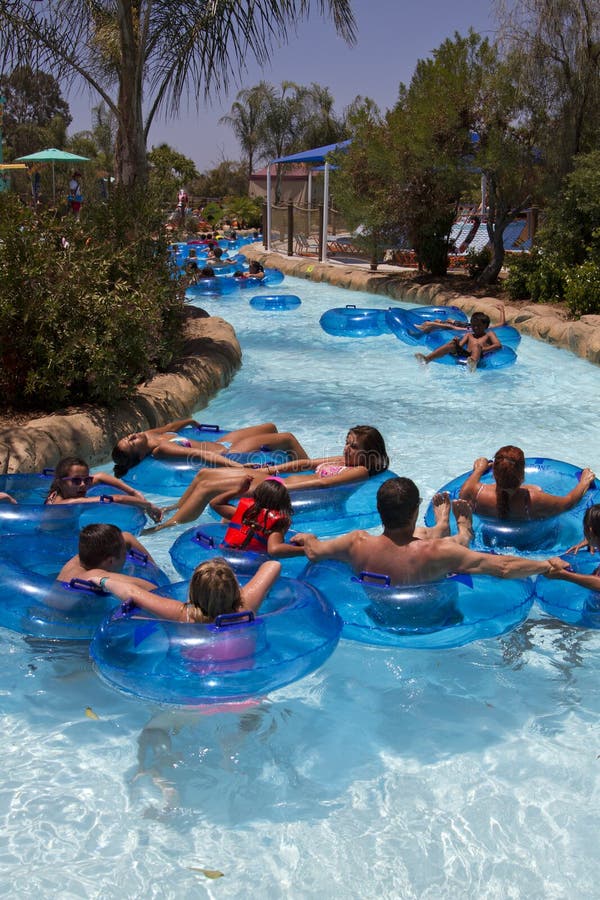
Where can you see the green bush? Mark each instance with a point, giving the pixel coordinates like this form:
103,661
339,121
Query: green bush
87,310
477,260
582,289
546,281
520,267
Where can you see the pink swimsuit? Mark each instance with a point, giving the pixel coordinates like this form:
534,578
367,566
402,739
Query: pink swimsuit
328,470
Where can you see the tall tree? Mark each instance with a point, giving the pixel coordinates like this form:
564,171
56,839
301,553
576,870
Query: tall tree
36,114
140,56
246,118
558,44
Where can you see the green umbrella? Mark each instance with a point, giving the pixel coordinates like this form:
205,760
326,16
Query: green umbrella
52,155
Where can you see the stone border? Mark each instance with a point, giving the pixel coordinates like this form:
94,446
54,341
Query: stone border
211,357
539,321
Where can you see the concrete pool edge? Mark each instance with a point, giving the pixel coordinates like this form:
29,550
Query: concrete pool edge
542,322
211,356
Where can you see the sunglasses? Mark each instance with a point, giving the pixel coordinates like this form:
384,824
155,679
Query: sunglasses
77,481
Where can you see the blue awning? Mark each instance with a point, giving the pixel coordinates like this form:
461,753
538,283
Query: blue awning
313,156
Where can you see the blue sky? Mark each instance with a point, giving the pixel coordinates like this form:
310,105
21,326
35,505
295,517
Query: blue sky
392,36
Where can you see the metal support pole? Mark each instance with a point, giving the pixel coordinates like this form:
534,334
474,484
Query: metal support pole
290,228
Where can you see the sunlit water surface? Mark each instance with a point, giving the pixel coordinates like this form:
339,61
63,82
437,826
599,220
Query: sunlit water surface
462,773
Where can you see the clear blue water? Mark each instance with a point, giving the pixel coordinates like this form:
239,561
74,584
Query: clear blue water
387,773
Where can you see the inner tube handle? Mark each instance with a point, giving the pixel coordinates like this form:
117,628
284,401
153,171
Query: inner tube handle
204,540
228,619
80,584
137,555
376,576
201,426
106,498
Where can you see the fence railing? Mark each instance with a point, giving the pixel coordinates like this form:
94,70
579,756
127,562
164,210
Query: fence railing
298,230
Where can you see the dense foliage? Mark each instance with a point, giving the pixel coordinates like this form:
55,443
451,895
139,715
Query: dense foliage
565,264
85,313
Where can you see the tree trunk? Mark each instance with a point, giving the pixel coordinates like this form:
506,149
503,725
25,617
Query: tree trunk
492,270
131,164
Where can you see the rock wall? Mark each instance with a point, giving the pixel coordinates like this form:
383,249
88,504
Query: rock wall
211,357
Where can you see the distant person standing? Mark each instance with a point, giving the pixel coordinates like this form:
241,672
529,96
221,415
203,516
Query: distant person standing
75,198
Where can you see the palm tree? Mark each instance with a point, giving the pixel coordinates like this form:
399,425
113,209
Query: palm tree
246,118
140,57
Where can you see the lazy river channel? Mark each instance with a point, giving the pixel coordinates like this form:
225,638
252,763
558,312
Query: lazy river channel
470,772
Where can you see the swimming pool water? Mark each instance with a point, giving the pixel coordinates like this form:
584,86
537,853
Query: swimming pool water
416,774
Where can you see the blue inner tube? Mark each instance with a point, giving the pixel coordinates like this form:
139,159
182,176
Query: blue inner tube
337,509
434,616
32,602
207,287
350,321
203,542
569,602
170,477
236,658
506,334
549,536
270,302
496,359
32,515
271,278
403,322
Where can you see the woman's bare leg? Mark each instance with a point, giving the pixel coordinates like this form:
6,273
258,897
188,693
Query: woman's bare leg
284,441
207,485
239,434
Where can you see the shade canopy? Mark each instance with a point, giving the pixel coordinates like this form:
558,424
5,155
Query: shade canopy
52,155
317,155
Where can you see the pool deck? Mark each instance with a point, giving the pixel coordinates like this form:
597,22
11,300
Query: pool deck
212,356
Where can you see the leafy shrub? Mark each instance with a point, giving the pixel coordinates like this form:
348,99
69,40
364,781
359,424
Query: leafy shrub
546,281
538,276
87,311
478,260
582,289
520,267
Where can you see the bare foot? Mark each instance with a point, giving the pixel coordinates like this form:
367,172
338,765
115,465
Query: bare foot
464,521
471,364
154,528
421,359
441,507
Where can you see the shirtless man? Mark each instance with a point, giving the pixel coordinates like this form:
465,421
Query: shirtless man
104,547
407,559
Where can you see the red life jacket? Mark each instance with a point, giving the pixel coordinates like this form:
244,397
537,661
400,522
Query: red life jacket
254,536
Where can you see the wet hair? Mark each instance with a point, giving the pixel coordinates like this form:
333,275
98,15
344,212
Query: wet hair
254,267
270,495
218,252
207,272
99,541
591,525
480,318
214,591
372,454
509,474
124,460
397,500
62,469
